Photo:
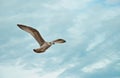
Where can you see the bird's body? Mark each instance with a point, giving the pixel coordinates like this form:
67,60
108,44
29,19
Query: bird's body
43,44
44,47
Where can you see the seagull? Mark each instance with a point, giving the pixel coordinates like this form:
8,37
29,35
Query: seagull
43,44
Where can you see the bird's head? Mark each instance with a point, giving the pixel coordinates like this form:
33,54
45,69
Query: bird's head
59,41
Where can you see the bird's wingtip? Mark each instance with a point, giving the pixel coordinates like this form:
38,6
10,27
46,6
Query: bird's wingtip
19,25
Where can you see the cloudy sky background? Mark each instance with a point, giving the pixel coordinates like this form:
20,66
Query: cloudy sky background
90,27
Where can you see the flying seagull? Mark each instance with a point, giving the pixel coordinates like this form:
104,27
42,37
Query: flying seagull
43,44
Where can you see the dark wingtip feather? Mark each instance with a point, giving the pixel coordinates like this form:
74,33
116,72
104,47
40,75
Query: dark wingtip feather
20,26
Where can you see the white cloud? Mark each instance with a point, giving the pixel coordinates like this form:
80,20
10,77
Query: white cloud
15,41
87,24
96,66
68,4
110,13
54,74
17,71
96,41
76,35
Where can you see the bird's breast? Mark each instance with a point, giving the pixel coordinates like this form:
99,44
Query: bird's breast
46,45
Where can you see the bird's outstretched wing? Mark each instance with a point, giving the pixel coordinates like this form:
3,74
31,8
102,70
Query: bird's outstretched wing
33,32
59,41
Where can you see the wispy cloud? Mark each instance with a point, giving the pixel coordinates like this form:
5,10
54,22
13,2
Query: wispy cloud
54,74
96,41
68,4
98,65
17,72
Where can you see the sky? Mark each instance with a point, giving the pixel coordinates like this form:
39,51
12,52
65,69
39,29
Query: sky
90,27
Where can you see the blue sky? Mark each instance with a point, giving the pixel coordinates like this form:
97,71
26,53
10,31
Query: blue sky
90,27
